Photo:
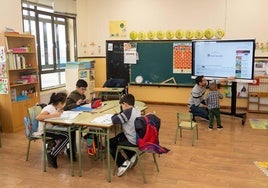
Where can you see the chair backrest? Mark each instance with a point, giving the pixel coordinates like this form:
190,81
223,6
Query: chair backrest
185,117
30,122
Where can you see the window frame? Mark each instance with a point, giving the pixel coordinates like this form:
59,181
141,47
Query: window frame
57,66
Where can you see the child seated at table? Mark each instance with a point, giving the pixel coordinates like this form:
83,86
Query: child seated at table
126,118
52,110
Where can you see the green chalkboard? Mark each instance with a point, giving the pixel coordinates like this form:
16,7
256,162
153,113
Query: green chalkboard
155,64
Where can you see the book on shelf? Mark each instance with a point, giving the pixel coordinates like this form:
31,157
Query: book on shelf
13,94
16,61
20,50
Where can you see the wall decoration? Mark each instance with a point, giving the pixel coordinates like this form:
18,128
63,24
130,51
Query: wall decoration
169,34
118,28
189,34
209,33
179,34
151,35
133,35
182,57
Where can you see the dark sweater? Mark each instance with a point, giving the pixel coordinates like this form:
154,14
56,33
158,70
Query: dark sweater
72,99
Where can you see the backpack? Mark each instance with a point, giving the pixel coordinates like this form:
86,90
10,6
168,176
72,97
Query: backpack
147,128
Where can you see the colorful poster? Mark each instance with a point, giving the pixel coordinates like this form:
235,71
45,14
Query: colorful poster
3,72
118,28
182,57
241,90
3,86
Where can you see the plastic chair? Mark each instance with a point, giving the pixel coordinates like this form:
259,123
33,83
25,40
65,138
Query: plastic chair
139,155
185,121
30,123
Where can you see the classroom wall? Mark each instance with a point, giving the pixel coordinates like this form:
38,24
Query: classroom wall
10,11
238,18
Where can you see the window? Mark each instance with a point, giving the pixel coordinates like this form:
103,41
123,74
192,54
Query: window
56,41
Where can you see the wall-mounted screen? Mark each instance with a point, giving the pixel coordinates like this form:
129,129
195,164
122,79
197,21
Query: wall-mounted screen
224,58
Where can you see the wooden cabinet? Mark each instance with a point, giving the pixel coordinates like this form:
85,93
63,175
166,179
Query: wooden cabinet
258,95
258,102
19,87
80,70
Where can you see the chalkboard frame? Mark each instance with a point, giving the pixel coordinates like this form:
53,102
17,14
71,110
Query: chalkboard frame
144,63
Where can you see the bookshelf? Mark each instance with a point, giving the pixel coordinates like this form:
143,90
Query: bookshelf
258,95
19,83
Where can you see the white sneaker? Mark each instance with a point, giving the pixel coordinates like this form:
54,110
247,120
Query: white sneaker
133,161
122,169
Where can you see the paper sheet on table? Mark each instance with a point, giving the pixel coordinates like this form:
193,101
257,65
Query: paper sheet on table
104,119
68,115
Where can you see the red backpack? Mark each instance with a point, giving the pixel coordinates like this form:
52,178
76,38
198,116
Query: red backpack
147,128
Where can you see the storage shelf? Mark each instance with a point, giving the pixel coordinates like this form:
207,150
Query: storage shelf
22,88
18,85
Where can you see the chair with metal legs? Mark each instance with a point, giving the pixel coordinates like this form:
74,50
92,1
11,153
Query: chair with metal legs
139,156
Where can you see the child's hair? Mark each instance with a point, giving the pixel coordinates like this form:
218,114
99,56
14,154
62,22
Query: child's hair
57,98
81,83
199,79
213,86
127,98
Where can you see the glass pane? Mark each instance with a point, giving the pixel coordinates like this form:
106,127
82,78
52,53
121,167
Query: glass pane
46,44
61,44
52,79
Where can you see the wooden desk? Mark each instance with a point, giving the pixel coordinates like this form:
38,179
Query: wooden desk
108,91
84,120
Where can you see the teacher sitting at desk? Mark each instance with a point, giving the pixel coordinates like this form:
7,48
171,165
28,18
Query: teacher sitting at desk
196,100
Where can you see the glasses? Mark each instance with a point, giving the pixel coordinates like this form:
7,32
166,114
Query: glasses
83,88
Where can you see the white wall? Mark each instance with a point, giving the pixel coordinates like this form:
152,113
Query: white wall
10,11
239,18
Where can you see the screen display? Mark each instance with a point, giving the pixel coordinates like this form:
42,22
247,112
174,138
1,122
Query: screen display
224,58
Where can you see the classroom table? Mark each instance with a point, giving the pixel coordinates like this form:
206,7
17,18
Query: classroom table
84,121
108,91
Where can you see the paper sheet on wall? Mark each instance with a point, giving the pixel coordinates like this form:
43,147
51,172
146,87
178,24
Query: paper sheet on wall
130,53
2,54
